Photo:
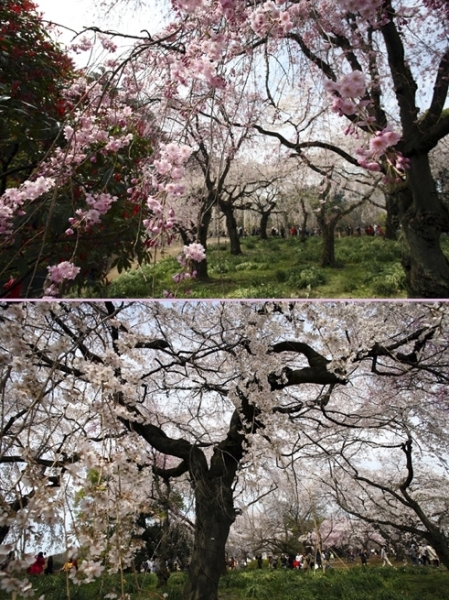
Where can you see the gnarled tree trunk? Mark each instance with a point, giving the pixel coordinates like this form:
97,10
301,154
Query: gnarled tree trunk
215,513
327,225
214,517
423,219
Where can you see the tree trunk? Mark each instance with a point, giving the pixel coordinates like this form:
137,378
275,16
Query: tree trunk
214,517
264,225
231,225
204,220
163,574
392,220
305,216
328,246
423,220
438,541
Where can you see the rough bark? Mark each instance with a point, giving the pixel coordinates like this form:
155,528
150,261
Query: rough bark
423,220
392,218
328,247
213,488
215,511
214,517
426,267
231,226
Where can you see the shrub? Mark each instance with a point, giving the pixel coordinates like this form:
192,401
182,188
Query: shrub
134,284
220,267
390,282
310,276
281,275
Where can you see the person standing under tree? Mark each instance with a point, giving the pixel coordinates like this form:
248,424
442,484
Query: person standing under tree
37,568
384,557
364,557
49,566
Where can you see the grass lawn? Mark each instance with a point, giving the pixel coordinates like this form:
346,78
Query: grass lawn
355,583
368,267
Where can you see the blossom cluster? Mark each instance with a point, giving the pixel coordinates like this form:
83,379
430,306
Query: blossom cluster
13,199
162,220
346,93
57,274
366,8
269,18
350,85
99,204
190,254
170,170
199,62
172,158
379,145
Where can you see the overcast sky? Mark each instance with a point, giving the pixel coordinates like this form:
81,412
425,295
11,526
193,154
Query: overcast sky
74,14
78,14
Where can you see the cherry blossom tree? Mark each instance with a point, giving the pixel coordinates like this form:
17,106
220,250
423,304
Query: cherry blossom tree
332,209
216,388
279,521
374,61
383,64
221,176
102,189
380,65
397,481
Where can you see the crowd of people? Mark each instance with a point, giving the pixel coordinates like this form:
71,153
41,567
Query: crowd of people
315,559
293,231
421,554
152,565
44,565
312,558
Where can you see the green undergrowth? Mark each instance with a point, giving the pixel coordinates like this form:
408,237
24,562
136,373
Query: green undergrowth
367,267
356,583
132,586
344,584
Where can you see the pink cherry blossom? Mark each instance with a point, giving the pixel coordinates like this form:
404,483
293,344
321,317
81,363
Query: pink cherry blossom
62,271
194,252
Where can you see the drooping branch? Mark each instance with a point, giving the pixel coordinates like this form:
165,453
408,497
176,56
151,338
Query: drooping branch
404,84
317,371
